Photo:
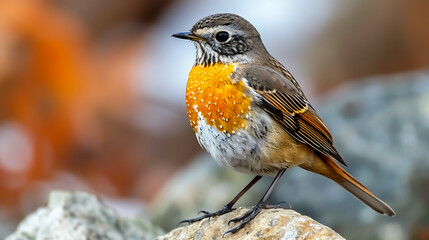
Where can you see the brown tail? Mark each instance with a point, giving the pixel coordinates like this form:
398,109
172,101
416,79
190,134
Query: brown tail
331,169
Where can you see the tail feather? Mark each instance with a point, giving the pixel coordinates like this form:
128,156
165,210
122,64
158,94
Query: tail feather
331,169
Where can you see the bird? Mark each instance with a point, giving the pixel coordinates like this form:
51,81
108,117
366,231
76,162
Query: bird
250,114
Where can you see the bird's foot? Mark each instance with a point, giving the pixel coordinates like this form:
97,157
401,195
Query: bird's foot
226,209
249,215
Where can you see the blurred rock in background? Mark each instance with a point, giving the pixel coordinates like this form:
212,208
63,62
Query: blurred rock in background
92,98
81,215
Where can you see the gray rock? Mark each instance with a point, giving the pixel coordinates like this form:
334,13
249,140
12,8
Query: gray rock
268,224
381,128
80,216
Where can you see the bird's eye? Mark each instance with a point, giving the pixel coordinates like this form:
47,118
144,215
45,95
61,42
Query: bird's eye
222,36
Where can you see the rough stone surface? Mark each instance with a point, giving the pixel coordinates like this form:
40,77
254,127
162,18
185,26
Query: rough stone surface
80,216
268,224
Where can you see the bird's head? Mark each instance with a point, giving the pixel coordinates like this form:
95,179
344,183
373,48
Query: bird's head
225,38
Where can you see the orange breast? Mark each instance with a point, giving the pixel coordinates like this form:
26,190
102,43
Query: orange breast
220,101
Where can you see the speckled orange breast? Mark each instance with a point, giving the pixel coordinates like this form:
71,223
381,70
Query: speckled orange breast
221,102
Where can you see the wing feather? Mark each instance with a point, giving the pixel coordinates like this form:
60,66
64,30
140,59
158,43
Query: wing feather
287,104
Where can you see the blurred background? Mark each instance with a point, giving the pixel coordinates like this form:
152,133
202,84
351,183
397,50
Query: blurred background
92,98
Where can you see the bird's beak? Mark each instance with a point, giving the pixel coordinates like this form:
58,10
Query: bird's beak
187,36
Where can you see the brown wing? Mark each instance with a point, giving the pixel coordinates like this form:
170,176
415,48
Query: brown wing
286,104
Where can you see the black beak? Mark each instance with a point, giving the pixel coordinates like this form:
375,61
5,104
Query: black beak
187,36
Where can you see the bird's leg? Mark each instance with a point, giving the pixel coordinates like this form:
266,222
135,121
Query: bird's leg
249,215
227,208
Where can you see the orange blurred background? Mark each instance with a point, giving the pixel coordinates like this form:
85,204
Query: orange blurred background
92,92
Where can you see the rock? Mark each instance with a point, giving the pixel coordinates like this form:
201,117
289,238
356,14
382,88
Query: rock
80,216
268,224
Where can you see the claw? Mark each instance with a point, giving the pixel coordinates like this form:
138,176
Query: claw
204,212
245,218
192,220
227,208
232,231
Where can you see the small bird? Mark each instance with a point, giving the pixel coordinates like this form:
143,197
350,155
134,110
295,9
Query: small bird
249,113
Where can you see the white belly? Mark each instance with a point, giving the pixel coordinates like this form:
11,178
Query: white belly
263,148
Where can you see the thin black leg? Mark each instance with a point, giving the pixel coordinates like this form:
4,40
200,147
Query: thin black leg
228,207
249,215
